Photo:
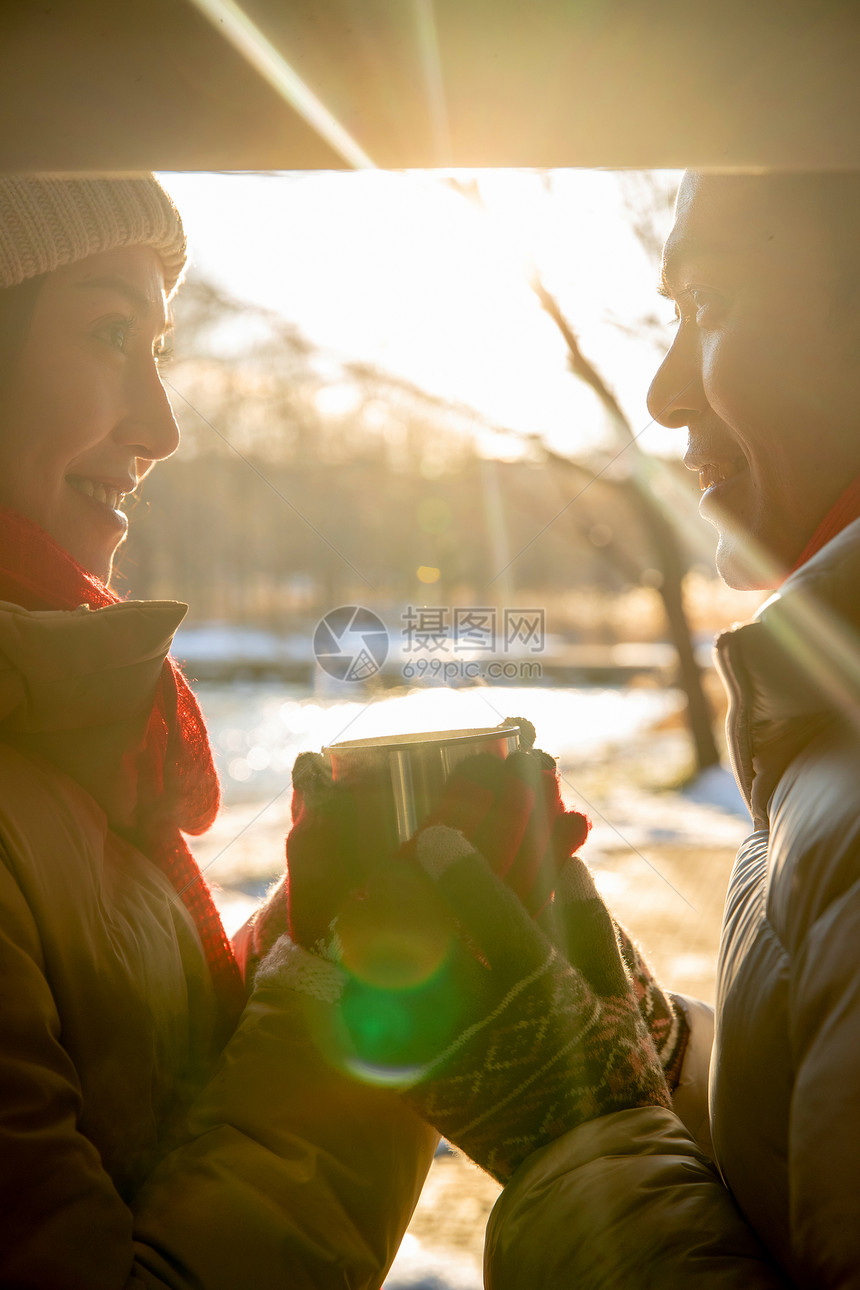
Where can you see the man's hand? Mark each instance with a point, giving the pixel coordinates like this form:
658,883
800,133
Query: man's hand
580,925
490,1033
511,811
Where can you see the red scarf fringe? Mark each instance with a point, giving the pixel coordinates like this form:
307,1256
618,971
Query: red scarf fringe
177,784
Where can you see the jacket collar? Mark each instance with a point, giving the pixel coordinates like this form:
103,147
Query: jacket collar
795,668
76,688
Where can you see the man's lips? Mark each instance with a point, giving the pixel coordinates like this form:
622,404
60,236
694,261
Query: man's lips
713,469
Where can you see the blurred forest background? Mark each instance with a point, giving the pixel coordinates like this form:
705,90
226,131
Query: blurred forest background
309,480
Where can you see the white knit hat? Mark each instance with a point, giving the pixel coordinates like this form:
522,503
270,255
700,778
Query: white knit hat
50,220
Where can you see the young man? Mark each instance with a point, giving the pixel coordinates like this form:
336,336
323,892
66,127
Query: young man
764,374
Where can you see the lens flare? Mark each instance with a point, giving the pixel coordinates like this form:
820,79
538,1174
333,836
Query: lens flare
400,1004
394,1035
398,936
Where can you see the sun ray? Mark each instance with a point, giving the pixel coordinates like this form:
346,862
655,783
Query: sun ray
233,23
429,43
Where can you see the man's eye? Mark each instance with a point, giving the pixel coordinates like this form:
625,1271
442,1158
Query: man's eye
707,304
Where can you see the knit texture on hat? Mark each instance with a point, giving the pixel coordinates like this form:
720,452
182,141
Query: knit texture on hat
47,221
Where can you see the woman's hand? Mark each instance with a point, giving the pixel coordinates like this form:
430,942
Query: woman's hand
335,843
512,813
332,848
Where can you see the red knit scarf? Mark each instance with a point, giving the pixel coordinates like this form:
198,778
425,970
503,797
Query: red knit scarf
177,785
843,512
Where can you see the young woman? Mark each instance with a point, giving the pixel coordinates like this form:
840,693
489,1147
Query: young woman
159,1124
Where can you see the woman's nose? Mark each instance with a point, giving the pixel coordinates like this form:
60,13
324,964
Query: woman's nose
677,395
150,427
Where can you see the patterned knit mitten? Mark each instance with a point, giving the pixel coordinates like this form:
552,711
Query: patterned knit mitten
512,813
545,1044
579,923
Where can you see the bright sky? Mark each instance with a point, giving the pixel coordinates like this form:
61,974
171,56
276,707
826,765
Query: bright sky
400,270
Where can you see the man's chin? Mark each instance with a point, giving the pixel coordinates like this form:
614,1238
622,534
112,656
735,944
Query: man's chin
745,566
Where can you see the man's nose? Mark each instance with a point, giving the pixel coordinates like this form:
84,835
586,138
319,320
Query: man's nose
150,427
677,396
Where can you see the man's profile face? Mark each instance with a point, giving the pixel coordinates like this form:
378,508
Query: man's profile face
763,369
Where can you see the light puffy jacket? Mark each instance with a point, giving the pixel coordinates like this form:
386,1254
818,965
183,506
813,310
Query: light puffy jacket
283,1173
629,1200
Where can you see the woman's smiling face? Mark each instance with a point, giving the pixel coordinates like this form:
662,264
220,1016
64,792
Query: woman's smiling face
84,414
763,370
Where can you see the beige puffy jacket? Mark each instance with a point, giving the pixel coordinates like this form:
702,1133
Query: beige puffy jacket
629,1200
284,1174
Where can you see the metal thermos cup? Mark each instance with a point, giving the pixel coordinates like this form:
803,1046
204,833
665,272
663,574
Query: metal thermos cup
409,771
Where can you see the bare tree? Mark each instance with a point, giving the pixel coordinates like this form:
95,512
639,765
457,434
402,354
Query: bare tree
668,553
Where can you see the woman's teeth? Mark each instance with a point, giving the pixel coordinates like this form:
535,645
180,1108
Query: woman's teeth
99,492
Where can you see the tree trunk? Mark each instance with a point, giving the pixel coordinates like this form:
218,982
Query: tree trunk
667,551
670,562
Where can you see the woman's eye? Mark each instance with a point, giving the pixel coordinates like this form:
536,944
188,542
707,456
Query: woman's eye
117,333
162,350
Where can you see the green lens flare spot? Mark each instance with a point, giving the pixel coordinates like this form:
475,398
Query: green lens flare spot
394,1034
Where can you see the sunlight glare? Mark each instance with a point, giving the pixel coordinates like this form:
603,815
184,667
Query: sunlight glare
404,272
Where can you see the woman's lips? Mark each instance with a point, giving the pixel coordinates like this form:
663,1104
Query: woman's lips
107,494
103,499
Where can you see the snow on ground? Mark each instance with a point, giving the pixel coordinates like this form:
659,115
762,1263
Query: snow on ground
718,787
417,1268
